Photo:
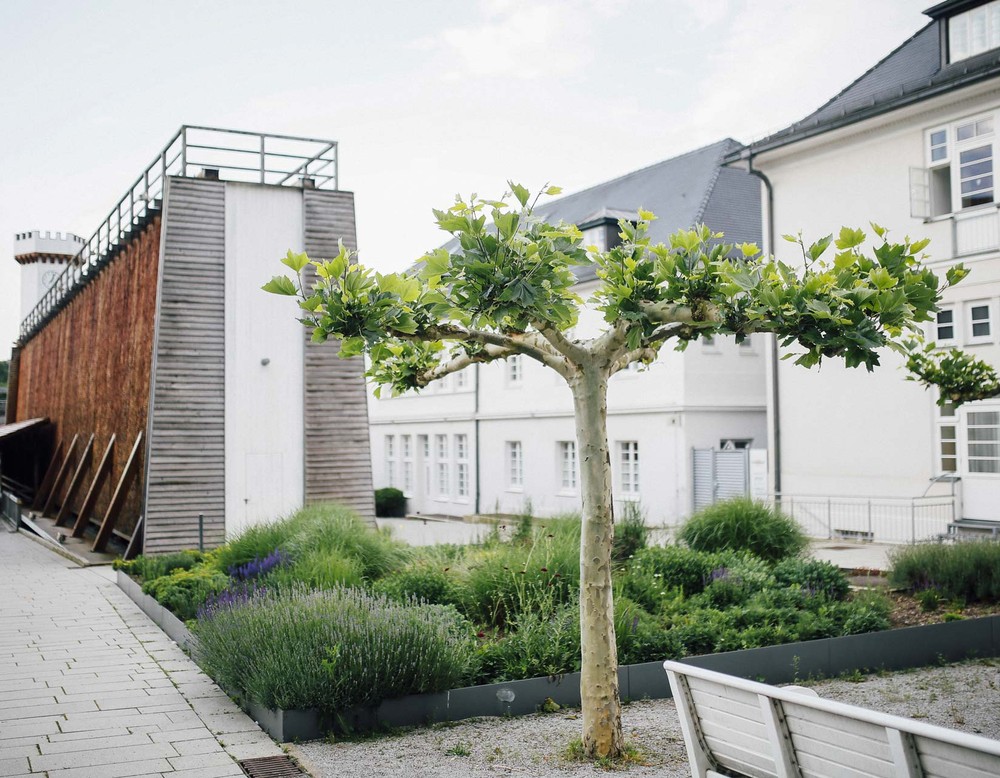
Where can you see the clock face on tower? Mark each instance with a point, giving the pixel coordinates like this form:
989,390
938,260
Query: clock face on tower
48,278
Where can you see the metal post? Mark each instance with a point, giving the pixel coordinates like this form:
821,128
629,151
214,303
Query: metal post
829,517
184,151
262,159
871,533
913,521
201,531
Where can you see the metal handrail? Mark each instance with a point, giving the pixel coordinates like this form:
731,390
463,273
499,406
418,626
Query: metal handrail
179,156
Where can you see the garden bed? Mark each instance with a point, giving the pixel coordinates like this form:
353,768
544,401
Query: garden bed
897,649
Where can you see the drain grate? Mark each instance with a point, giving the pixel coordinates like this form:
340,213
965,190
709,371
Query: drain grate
271,767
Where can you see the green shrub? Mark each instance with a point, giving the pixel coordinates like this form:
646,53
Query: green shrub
641,637
929,599
868,612
147,568
964,571
656,573
538,644
183,591
255,542
631,534
813,576
390,503
536,575
423,581
333,649
742,524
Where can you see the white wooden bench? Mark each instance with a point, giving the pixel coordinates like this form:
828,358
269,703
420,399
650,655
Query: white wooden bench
735,726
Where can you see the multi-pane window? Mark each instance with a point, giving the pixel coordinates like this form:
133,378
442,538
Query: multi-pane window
938,145
979,321
628,466
424,442
959,172
974,31
462,465
948,436
461,379
515,464
567,465
975,175
441,461
983,430
515,369
945,328
406,446
390,460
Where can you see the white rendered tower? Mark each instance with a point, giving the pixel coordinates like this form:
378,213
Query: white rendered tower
43,256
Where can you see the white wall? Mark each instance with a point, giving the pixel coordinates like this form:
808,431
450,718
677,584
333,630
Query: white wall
264,403
846,432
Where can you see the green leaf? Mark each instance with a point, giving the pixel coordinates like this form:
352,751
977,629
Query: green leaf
849,238
281,285
955,274
816,249
879,230
920,245
553,190
520,193
882,278
295,261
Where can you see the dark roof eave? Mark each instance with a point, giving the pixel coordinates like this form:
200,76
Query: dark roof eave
778,140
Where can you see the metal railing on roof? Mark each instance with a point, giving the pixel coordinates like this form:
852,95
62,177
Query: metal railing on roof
207,152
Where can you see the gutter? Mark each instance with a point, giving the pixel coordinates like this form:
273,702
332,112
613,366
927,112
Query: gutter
775,396
475,415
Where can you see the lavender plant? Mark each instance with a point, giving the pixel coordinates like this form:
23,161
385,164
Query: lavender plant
334,649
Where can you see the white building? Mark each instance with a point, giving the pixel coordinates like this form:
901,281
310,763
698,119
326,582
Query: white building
501,437
910,145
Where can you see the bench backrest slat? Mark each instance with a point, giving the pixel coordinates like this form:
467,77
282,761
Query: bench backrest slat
758,730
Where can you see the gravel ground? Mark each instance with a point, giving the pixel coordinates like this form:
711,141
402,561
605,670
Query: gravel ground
964,697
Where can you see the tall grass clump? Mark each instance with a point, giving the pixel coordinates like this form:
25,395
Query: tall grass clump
536,573
631,534
967,571
298,648
742,524
255,542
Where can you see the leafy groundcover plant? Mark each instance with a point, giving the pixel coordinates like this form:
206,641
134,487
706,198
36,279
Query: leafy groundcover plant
967,571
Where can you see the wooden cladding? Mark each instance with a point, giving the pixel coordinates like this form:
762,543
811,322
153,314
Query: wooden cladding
186,473
88,369
338,452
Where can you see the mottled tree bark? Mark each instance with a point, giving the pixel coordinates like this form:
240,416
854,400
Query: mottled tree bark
602,730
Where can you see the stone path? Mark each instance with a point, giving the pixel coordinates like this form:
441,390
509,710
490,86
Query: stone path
91,688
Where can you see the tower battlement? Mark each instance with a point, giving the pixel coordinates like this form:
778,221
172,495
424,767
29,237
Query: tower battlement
46,246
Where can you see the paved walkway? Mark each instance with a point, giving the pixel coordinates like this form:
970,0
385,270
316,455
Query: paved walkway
91,688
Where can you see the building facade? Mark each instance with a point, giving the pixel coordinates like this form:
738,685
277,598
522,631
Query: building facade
500,438
156,343
911,146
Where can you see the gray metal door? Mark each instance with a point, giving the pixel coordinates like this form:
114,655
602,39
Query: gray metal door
719,475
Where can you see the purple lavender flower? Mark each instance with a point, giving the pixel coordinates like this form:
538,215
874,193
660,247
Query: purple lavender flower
259,566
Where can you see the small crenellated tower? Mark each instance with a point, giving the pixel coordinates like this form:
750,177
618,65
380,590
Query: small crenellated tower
43,256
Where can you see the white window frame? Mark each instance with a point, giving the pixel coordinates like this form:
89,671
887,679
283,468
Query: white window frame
628,469
461,451
569,478
461,380
406,457
970,337
947,438
424,446
514,465
923,190
973,422
390,460
442,468
514,370
937,325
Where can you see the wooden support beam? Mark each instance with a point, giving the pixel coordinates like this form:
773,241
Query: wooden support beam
134,547
103,469
76,482
60,477
47,480
118,498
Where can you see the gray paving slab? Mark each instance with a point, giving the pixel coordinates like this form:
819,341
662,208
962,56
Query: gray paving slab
91,688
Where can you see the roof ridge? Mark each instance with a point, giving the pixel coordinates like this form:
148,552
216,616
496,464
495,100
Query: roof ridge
858,80
725,142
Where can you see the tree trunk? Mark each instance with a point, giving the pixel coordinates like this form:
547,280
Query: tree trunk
602,727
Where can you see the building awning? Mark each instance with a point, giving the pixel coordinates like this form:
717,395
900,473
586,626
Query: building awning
10,431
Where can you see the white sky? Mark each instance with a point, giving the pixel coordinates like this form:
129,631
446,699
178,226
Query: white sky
427,98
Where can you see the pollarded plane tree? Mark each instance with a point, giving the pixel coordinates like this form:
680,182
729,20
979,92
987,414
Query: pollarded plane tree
507,289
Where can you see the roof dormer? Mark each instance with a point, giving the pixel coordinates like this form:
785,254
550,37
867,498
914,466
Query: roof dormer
969,27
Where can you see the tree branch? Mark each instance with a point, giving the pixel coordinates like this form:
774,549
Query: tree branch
646,354
670,313
560,342
462,361
662,334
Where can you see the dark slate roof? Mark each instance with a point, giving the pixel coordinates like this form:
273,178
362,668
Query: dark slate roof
683,191
911,73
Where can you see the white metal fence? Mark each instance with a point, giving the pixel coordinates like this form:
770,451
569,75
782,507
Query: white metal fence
876,519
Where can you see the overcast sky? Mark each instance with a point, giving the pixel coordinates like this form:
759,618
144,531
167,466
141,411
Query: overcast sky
426,98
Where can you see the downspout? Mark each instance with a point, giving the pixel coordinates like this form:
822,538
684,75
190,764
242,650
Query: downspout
475,416
774,341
